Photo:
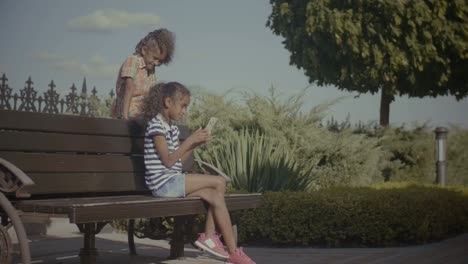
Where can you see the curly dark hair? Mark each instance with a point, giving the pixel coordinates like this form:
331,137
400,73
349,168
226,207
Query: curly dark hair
153,104
160,38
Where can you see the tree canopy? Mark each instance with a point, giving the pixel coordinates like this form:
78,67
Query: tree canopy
413,48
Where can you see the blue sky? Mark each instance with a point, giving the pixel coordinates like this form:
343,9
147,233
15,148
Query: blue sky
221,45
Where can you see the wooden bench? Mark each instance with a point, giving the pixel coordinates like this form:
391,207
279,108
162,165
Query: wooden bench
89,170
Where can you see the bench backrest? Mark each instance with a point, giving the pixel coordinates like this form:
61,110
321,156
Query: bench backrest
69,155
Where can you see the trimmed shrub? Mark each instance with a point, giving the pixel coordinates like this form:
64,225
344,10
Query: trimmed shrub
356,217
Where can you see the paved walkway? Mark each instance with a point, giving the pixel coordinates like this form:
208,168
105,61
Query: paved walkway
62,242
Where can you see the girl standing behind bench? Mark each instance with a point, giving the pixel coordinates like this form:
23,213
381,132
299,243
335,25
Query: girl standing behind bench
165,103
137,73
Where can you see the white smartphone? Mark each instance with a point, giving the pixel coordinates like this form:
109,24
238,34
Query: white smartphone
211,123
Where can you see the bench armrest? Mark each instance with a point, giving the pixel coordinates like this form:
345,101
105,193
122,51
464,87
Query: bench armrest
207,166
12,179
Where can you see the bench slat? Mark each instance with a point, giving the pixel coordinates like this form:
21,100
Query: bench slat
38,162
67,124
55,142
85,210
63,183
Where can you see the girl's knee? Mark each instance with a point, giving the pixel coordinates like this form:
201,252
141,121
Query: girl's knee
222,180
218,199
221,184
214,198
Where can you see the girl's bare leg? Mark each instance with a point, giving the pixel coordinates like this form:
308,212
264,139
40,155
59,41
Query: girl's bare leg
220,186
211,189
195,182
209,223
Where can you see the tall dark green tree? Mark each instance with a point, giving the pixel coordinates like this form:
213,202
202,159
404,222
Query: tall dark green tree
398,47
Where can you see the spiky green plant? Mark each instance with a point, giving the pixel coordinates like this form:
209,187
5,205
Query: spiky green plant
256,163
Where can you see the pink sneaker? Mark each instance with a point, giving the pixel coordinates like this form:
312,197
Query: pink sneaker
239,257
211,244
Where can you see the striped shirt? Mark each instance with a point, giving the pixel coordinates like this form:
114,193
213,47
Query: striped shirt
156,174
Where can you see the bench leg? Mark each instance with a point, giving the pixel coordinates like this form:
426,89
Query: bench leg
131,241
89,252
177,240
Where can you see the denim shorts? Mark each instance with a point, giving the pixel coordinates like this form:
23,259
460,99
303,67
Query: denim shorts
173,188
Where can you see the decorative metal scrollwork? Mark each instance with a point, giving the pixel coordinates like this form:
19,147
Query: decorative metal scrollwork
73,103
28,97
51,99
5,94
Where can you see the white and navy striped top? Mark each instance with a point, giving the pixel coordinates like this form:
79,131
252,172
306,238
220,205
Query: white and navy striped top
156,174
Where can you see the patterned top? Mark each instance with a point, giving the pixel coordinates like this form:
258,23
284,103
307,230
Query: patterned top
156,174
133,67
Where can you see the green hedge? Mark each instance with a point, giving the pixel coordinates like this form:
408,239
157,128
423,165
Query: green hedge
356,217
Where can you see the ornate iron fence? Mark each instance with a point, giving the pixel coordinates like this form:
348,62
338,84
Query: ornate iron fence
74,103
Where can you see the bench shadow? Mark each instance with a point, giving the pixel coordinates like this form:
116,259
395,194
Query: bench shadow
47,249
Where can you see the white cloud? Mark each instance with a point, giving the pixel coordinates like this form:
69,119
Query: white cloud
108,20
99,67
96,66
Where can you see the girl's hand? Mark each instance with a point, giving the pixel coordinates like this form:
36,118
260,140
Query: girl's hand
200,136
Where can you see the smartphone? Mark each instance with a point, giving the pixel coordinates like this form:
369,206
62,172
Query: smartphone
211,123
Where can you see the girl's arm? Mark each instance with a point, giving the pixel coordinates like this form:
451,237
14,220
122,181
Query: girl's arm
128,94
169,159
186,154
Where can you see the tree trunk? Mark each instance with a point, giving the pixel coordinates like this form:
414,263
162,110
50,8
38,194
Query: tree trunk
385,101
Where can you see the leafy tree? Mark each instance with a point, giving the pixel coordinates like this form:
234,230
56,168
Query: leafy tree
413,48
